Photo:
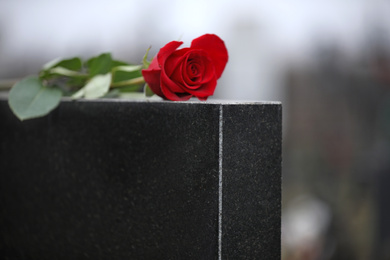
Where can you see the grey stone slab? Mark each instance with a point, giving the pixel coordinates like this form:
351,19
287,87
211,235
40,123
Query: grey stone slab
141,180
251,182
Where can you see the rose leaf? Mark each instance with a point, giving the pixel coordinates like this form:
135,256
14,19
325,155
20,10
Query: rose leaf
97,87
148,91
29,98
70,64
101,64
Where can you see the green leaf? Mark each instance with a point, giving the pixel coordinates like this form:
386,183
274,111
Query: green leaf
51,64
100,65
76,82
128,68
97,87
29,98
148,91
70,64
79,94
66,72
145,61
121,76
124,73
116,63
66,67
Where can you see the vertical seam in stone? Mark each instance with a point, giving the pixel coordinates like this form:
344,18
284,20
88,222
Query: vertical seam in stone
220,182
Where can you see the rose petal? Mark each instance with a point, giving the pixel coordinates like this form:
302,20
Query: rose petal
216,50
174,82
177,78
175,60
169,94
206,70
152,77
181,81
180,74
168,87
204,90
195,69
166,51
202,98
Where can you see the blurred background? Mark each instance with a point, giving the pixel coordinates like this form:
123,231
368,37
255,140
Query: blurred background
328,61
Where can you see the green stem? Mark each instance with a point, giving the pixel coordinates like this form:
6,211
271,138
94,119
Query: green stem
135,81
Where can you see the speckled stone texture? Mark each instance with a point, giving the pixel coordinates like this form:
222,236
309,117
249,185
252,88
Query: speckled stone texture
141,180
251,182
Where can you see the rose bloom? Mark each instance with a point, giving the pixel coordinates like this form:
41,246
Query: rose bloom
179,74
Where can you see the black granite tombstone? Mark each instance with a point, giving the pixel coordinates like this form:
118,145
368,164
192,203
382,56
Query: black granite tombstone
113,179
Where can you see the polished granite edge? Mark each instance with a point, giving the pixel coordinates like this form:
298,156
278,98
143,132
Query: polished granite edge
4,96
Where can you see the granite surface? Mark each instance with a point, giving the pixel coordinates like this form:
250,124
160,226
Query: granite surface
251,182
141,180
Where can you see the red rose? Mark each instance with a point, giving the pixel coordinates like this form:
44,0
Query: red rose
180,74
